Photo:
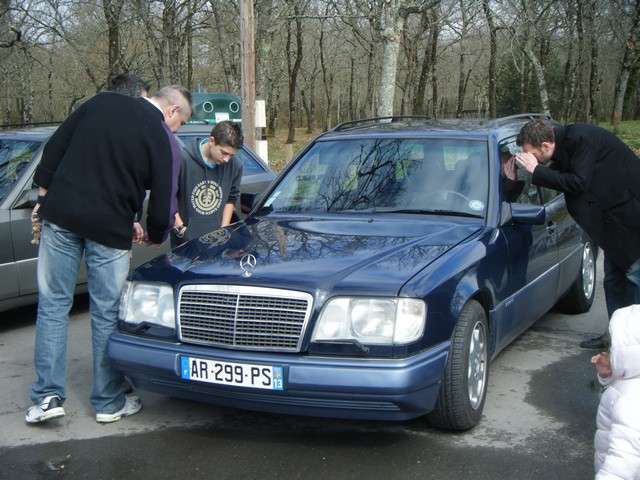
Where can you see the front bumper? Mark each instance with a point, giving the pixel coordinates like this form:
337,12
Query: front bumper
344,387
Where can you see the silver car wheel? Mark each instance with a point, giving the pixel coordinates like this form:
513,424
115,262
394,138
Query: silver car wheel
477,372
588,270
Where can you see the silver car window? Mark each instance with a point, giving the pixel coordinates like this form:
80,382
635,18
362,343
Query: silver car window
14,157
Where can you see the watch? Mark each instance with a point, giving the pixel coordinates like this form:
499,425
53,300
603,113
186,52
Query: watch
177,230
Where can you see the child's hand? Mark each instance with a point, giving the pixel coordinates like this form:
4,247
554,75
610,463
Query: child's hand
602,364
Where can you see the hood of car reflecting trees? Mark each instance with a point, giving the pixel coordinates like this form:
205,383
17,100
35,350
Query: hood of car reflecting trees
382,253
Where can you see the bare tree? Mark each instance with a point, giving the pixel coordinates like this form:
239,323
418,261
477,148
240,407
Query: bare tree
112,11
225,44
294,60
394,14
630,58
493,47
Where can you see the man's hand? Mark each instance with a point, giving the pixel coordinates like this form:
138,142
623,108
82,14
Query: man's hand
509,169
138,233
148,243
527,161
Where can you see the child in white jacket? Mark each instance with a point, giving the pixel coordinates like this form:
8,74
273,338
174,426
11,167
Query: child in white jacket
617,440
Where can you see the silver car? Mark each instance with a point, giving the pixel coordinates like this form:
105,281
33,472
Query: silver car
20,152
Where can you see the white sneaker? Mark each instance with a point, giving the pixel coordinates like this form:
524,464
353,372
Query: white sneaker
132,405
48,408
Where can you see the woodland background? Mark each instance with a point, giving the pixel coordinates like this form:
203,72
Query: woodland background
319,62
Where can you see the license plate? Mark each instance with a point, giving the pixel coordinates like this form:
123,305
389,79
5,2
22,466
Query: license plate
236,374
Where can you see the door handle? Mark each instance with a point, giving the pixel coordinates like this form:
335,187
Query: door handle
551,228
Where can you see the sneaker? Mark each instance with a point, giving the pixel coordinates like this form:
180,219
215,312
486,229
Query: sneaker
596,343
132,405
48,408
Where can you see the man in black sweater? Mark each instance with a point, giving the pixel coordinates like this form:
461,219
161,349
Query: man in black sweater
94,173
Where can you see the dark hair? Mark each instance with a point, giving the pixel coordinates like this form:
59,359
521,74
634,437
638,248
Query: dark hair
128,84
535,133
228,133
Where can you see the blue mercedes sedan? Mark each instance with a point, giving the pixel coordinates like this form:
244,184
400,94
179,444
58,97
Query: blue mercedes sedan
376,278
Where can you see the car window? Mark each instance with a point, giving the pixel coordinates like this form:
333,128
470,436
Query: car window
14,157
526,191
548,194
249,165
387,174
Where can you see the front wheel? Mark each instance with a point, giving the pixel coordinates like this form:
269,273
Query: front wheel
464,383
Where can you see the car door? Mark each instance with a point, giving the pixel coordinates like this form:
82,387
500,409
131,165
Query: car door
534,255
17,255
569,237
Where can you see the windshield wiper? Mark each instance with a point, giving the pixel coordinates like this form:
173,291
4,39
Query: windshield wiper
455,213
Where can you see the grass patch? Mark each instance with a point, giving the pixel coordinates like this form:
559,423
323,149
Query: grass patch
276,146
629,133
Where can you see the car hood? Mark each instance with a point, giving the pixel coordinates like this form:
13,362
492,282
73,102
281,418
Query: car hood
312,254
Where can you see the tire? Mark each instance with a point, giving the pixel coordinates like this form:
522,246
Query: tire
464,383
580,296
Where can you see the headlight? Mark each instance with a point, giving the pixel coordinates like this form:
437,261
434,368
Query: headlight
372,320
148,302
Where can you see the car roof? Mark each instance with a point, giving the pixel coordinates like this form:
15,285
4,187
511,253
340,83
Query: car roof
26,132
197,126
419,126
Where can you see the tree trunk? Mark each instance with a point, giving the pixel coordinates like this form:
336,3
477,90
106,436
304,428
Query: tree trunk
327,83
293,70
112,10
581,112
435,33
391,32
627,65
493,52
224,47
419,107
461,73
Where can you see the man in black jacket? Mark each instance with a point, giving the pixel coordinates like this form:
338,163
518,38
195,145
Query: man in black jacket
92,179
600,177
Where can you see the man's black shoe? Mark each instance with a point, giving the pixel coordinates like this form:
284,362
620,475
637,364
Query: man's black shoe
594,343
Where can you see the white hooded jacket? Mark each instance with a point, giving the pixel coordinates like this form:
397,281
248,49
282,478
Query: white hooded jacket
617,440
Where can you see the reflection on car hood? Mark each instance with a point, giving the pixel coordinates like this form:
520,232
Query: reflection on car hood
310,254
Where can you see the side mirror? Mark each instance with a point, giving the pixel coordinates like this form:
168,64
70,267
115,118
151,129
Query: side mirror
522,213
247,200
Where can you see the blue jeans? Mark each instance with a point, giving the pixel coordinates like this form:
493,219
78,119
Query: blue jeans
59,258
621,288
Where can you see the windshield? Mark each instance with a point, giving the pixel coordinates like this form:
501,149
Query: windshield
14,157
390,174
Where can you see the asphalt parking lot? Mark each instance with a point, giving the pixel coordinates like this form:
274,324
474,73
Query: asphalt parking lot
538,422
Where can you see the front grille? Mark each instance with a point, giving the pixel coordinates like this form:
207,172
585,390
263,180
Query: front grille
250,318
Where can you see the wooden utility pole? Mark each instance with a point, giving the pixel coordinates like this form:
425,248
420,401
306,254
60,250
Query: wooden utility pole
248,72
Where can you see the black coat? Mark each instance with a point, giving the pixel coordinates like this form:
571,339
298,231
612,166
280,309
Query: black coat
600,177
